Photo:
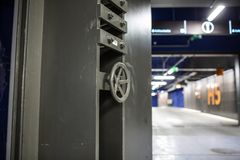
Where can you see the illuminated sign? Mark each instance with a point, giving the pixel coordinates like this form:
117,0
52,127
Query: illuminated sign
207,27
234,28
157,31
214,96
168,28
195,28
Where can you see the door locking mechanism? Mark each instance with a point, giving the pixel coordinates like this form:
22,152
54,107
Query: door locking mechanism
110,16
120,82
113,27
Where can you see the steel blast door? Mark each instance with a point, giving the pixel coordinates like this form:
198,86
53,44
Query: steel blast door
86,87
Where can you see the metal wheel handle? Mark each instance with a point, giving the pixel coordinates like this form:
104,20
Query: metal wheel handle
120,82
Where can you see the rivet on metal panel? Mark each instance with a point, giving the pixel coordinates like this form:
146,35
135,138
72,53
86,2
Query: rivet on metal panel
122,45
122,24
122,2
110,40
110,16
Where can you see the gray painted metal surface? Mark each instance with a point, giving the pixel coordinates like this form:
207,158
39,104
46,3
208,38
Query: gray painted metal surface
25,81
61,110
120,82
111,106
138,120
120,4
68,109
112,41
112,18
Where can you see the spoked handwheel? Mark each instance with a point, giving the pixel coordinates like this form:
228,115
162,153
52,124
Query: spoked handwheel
120,82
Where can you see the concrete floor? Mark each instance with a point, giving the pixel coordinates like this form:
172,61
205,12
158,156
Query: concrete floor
183,134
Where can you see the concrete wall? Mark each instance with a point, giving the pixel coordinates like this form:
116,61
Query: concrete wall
177,98
155,101
196,95
162,99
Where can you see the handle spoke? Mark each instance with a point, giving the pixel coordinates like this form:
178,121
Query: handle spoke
123,81
120,82
118,78
121,91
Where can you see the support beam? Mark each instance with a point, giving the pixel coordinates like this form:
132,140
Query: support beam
187,70
192,55
25,81
237,84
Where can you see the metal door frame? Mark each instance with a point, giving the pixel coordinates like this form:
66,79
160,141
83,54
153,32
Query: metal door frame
24,92
236,71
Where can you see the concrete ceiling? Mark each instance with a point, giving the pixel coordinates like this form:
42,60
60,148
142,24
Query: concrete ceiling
204,65
193,3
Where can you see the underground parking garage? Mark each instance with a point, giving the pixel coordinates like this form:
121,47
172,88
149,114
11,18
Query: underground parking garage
119,79
195,80
195,112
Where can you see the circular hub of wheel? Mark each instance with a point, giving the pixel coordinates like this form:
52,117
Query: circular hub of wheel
120,82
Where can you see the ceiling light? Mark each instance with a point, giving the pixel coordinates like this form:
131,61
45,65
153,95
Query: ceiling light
197,93
160,83
163,77
215,13
178,86
155,87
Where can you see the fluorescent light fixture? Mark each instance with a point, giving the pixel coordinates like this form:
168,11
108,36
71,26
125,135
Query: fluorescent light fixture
159,83
163,77
155,87
178,86
216,12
